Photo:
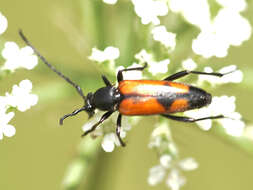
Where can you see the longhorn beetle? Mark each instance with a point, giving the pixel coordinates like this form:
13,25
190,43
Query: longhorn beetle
139,97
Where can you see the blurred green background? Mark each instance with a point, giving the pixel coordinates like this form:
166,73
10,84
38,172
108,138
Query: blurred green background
38,156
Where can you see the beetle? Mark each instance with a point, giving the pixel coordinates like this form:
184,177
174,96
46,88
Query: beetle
139,97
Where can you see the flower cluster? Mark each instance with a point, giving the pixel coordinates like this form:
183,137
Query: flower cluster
149,10
170,162
20,98
18,57
217,34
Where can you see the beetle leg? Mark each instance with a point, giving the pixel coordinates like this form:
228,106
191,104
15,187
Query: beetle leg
71,114
189,119
120,76
104,117
118,130
187,72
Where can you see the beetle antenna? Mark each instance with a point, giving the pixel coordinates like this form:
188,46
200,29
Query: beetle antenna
43,59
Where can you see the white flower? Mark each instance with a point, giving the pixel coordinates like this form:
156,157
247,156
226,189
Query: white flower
231,27
189,64
143,56
18,58
165,160
20,96
161,130
3,104
5,128
234,5
110,1
109,54
154,67
170,164
156,175
168,39
3,23
158,67
228,28
222,105
209,44
109,142
233,127
188,164
175,180
171,167
149,10
195,12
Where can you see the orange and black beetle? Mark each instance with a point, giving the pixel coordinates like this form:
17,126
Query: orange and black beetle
140,97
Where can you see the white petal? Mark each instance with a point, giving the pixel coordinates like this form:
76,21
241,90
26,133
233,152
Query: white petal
111,52
26,85
233,127
231,27
3,104
29,62
156,175
175,181
165,160
149,10
97,55
188,164
108,142
3,23
112,2
143,56
5,118
21,97
222,105
234,5
158,67
9,130
209,43
10,49
189,64
168,39
196,12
